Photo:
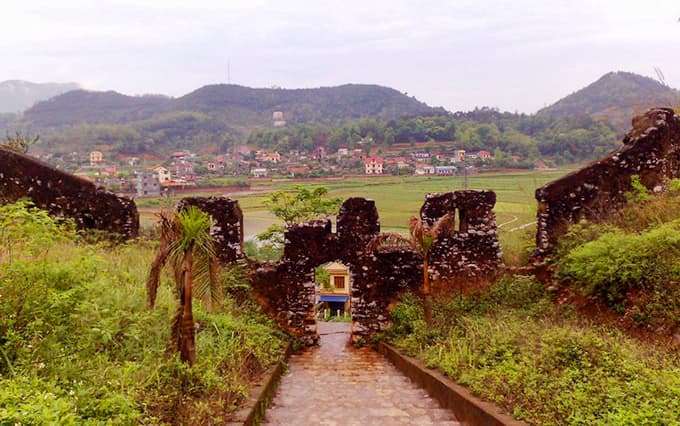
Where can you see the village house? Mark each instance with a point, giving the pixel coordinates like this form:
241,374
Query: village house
424,169
421,155
278,119
182,168
259,172
268,157
399,162
343,152
180,155
484,155
481,155
373,165
445,170
297,170
148,185
162,174
336,293
96,158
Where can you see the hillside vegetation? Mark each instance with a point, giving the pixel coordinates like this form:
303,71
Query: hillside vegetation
231,104
79,346
504,134
211,119
616,97
565,353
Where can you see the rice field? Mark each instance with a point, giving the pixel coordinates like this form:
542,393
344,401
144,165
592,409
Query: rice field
399,198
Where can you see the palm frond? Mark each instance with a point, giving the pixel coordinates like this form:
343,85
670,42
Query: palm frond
168,237
208,287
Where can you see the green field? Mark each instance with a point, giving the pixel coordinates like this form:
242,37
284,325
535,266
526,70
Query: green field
399,198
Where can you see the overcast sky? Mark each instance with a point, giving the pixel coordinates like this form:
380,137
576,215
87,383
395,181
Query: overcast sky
515,55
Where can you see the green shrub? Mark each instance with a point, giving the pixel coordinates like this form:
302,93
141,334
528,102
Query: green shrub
78,344
638,192
674,186
540,361
28,230
617,262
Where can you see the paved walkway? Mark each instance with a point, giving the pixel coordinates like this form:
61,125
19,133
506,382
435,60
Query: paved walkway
337,384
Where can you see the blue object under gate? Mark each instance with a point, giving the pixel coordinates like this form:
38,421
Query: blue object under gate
333,298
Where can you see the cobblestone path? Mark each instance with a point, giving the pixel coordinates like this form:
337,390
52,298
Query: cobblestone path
337,384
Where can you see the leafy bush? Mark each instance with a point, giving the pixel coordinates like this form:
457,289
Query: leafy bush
616,262
25,228
638,193
512,346
78,345
674,186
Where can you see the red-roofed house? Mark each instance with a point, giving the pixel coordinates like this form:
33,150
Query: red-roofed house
374,165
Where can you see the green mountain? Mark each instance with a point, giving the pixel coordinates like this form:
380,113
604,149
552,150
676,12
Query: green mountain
616,97
82,106
18,95
237,106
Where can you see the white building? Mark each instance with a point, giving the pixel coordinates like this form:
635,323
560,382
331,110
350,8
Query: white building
374,165
424,169
162,173
259,172
96,157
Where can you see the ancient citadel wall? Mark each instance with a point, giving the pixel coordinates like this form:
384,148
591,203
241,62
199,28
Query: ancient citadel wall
62,194
651,150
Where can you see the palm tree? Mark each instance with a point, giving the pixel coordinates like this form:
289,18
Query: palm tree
186,243
422,239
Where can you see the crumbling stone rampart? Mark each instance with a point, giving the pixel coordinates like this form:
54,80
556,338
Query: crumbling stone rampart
62,194
651,150
286,289
471,251
228,224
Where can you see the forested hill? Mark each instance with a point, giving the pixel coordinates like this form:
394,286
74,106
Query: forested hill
232,105
616,97
306,105
82,106
18,95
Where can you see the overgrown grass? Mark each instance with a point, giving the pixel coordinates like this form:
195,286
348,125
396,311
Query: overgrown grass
630,261
542,362
78,344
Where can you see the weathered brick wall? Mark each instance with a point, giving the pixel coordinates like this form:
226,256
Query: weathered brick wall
651,150
228,228
286,289
63,194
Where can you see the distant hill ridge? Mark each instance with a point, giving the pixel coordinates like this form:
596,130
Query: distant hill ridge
235,105
18,95
616,97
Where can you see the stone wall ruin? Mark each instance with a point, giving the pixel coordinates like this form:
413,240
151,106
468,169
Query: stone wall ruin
227,230
650,150
287,290
65,195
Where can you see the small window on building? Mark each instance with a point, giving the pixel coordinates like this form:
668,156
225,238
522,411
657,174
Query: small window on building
339,282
